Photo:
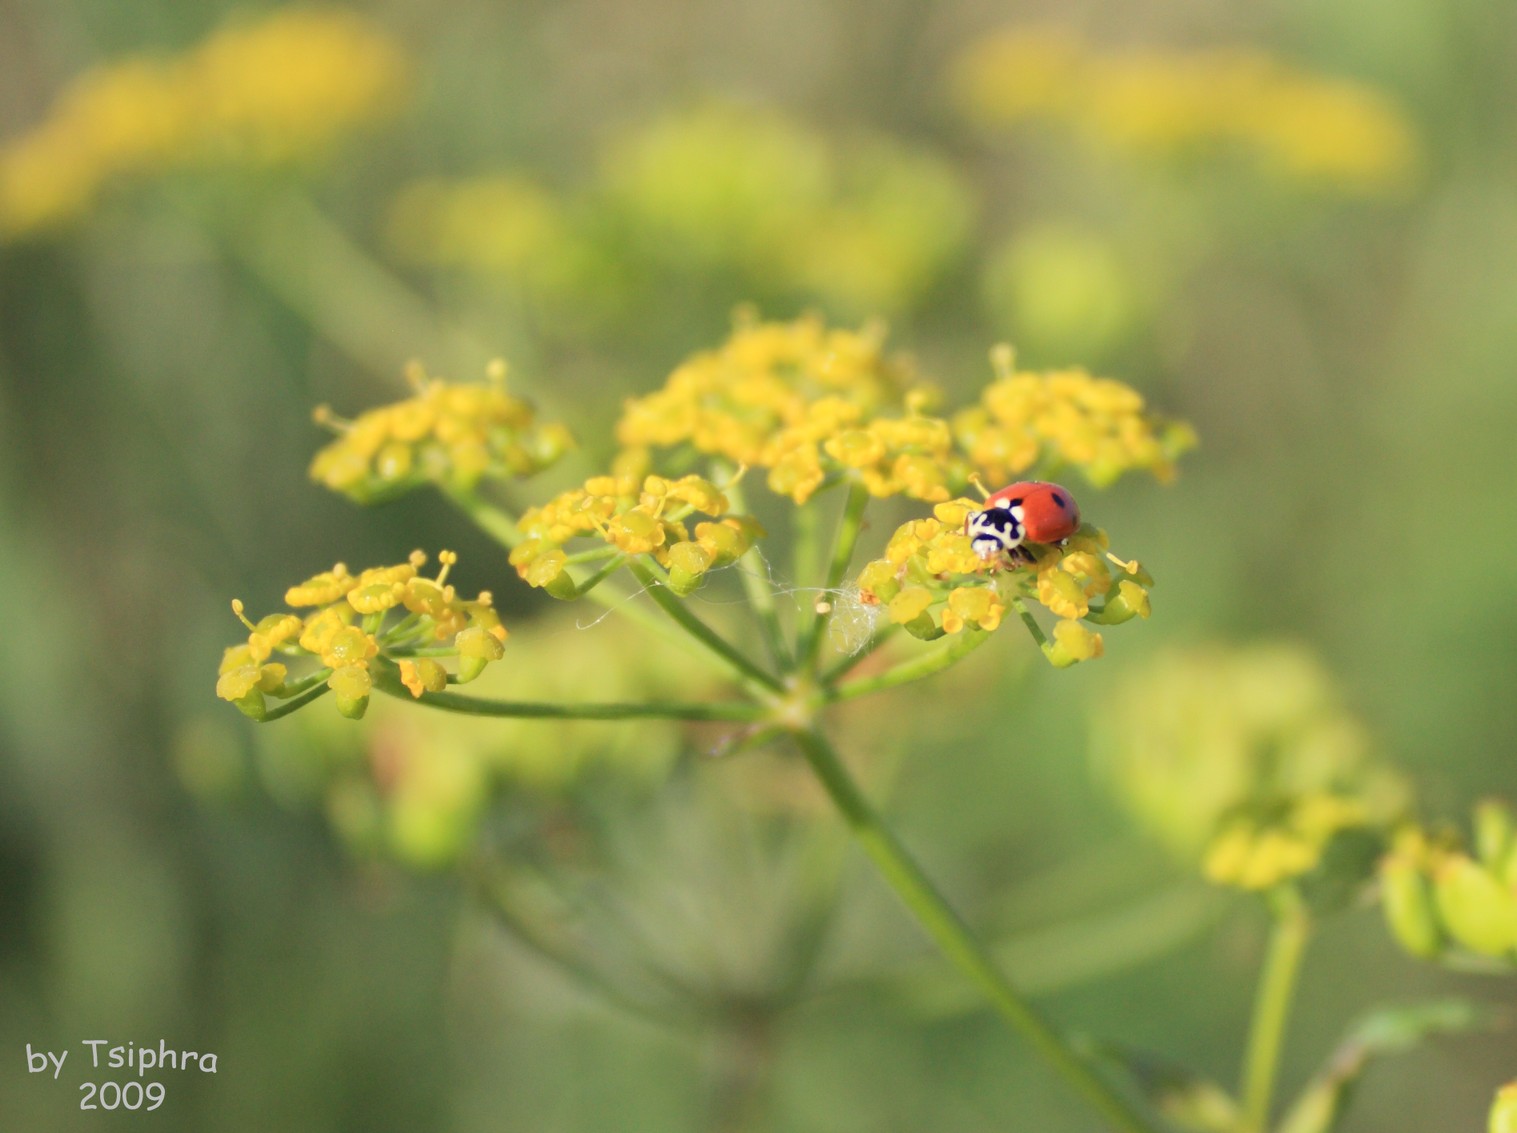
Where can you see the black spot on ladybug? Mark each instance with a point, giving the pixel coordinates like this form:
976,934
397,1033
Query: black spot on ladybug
1060,501
1013,503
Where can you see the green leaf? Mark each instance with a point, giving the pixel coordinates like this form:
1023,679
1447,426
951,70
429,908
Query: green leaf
1392,1030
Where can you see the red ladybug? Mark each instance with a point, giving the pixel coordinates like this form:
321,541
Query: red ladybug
1029,511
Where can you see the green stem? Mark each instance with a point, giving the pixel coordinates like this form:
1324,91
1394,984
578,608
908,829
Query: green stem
294,705
1031,623
671,604
755,574
357,305
1277,985
494,521
305,683
842,554
387,682
956,940
960,645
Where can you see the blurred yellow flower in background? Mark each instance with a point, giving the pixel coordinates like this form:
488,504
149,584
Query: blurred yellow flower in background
449,433
1296,125
280,89
867,222
1246,754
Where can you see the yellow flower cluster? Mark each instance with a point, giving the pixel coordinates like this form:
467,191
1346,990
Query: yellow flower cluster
1261,851
1204,735
1066,418
803,401
867,225
500,224
931,582
1439,897
447,433
261,93
633,518
1298,125
345,633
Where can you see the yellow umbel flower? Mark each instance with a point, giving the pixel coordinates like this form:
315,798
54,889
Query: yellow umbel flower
633,517
1297,125
503,223
448,433
865,221
805,402
1067,418
276,90
931,582
1201,735
427,613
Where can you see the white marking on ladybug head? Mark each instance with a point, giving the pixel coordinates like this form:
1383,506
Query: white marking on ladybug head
994,531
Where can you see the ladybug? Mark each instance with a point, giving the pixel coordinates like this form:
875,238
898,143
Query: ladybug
1029,511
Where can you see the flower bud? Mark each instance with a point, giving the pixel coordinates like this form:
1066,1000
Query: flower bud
351,685
476,648
688,563
1479,912
1072,642
1493,832
423,675
1408,903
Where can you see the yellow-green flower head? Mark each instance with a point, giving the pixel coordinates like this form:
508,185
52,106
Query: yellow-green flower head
1297,125
864,221
1067,418
803,401
503,224
350,624
931,582
633,516
448,433
271,91
1442,898
1259,851
1205,734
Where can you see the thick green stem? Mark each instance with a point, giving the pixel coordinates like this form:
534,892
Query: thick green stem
957,941
960,645
356,304
387,681
1272,1003
842,554
495,522
672,605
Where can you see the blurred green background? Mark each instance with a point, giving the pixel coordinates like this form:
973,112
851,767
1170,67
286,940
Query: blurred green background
1344,351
